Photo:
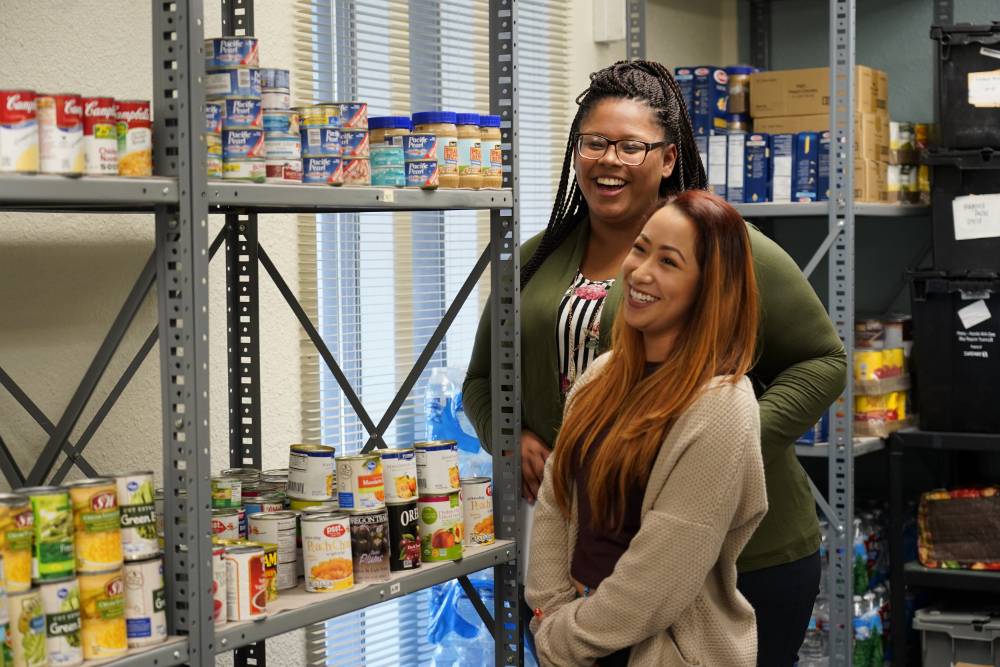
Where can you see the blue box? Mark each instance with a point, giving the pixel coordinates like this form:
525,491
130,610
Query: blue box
823,177
782,155
817,434
685,81
805,167
756,168
735,168
718,148
701,143
711,90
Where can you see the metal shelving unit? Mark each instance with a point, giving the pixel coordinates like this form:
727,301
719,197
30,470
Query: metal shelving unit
181,199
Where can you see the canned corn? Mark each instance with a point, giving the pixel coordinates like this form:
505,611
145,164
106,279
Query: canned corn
97,524
102,610
17,523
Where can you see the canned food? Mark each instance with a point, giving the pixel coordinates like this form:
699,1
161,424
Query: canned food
354,143
419,147
219,614
284,121
61,605
304,504
275,98
370,545
280,146
279,528
18,132
271,78
244,525
145,602
231,52
244,170
96,524
322,171
389,177
213,167
477,510
102,612
226,492
399,470
52,545
354,115
239,113
326,552
387,154
135,137
319,115
60,134
423,174
26,629
320,141
272,502
311,471
3,598
357,171
253,490
226,523
404,536
244,473
359,482
275,476
284,171
100,136
242,144
270,566
17,529
233,82
437,467
246,585
441,527
213,117
213,144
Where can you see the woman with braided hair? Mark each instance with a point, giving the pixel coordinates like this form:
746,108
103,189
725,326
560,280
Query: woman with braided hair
631,146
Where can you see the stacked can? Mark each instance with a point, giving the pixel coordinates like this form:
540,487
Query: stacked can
233,79
282,144
387,160
354,143
319,128
213,137
421,165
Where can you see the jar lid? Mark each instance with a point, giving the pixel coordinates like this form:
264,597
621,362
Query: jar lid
389,122
433,117
467,119
741,69
489,121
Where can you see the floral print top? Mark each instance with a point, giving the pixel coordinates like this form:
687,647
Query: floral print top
578,331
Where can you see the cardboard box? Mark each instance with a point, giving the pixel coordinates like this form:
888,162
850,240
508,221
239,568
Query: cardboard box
718,145
871,130
757,168
802,92
805,167
782,156
871,181
735,167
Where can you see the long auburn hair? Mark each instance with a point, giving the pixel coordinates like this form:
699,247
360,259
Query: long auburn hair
718,337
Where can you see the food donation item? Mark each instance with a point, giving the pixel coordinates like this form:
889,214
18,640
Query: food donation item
18,132
280,529
370,545
60,133
359,482
246,584
477,510
226,492
219,613
311,471
26,629
96,524
441,527
437,467
52,554
17,528
399,472
492,155
102,608
145,602
100,136
470,156
61,604
442,125
135,137
404,536
326,552
136,503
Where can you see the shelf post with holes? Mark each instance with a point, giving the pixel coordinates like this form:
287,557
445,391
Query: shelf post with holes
635,30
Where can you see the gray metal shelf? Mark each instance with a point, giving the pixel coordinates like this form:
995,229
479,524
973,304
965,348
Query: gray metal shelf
822,209
44,192
982,581
173,651
861,447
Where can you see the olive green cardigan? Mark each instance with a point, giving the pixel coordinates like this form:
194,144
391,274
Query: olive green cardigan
801,370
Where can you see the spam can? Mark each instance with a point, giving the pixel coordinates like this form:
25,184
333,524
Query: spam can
271,78
213,117
279,528
254,170
145,602
359,482
322,171
231,52
354,143
357,171
437,467
477,511
311,471
320,141
61,604
419,147
285,121
243,145
242,113
18,132
354,115
102,612
404,536
270,568
319,115
423,174
233,82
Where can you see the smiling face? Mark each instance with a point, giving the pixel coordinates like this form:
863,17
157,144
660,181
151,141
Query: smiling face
616,192
661,276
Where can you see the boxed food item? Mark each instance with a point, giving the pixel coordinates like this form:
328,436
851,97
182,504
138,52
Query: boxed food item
757,165
735,160
801,92
871,131
805,167
710,89
960,529
823,172
782,157
718,145
871,181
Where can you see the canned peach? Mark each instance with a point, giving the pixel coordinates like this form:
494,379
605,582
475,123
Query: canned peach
326,551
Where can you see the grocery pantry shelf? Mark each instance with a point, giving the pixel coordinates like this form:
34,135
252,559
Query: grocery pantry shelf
862,446
983,581
810,209
297,608
44,192
173,651
280,198
971,442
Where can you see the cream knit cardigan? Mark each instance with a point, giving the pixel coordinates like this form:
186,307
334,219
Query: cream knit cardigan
672,595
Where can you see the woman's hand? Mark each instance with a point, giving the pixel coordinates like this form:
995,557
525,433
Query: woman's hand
534,452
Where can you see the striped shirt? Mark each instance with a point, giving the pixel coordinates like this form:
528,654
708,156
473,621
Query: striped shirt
578,329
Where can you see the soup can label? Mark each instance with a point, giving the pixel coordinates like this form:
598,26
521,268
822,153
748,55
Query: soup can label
477,510
61,604
145,602
404,536
233,82
357,171
102,608
135,137
354,143
100,136
213,117
437,467
281,146
52,554
97,525
231,52
244,170
326,552
271,78
320,141
17,530
26,629
370,546
354,115
399,469
359,482
246,585
226,523
420,147
319,115
18,132
311,472
242,144
284,121
242,113
219,614
275,99
136,498
441,527
226,492
422,174
60,134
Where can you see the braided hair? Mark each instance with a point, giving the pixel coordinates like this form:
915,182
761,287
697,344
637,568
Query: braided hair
643,80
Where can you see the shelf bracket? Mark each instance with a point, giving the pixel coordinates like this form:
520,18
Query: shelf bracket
821,252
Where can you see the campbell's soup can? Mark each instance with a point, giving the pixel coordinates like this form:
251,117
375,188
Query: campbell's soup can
437,467
404,536
219,614
60,134
233,82
239,113
359,482
96,524
226,523
136,502
370,545
326,552
18,132
441,527
279,528
354,115
102,611
145,602
100,136
17,526
357,171
26,629
399,472
135,137
246,583
311,472
231,52
477,510
322,171
61,604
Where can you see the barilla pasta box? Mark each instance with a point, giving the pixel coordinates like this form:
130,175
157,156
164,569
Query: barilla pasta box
685,81
717,150
701,143
756,168
805,167
710,92
735,167
823,171
782,154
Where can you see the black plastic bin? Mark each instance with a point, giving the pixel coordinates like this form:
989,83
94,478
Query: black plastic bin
958,174
965,49
956,351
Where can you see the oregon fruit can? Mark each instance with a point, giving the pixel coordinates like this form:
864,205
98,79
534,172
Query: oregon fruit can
357,171
279,528
246,584
320,141
145,602
18,132
100,136
219,614
354,143
240,113
52,547
96,524
135,137
437,467
231,52
354,115
423,174
60,134
399,470
419,147
61,604
26,629
233,82
319,115
226,492
326,552
370,545
441,527
359,482
17,523
102,611
311,471
213,117
274,78
226,523
404,536
477,510
242,144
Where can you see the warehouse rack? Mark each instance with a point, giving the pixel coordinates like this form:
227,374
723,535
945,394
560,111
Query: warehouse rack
181,199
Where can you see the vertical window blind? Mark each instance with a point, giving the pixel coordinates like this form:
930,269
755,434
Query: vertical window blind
378,284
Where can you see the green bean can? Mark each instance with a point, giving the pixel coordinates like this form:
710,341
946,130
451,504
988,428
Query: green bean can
52,554
136,498
27,629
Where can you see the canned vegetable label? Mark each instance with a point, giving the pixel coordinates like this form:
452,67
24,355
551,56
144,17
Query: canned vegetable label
326,552
226,492
27,629
17,529
370,546
145,603
441,528
404,538
477,509
102,608
359,482
138,515
52,555
61,604
399,469
18,132
97,525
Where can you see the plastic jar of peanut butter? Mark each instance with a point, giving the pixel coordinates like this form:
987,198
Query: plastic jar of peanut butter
381,127
492,157
470,159
441,124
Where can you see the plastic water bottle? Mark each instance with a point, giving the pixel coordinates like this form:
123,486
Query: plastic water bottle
437,402
874,619
815,651
862,635
860,558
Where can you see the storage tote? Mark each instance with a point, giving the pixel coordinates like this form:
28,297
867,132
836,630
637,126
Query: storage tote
968,100
952,637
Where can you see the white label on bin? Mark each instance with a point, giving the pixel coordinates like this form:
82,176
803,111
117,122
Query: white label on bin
973,314
976,217
984,89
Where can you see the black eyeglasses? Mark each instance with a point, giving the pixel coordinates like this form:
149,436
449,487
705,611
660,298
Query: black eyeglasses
631,152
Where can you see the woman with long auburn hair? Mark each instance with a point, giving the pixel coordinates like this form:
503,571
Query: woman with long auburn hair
656,482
